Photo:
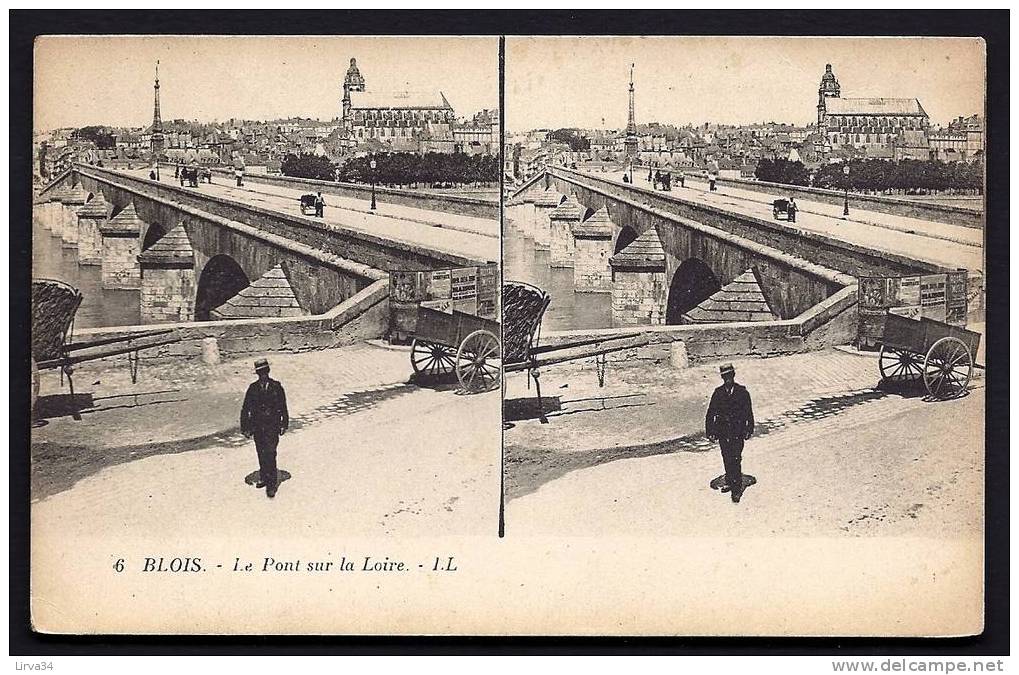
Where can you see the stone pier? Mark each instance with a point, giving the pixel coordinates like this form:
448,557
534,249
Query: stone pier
561,221
640,289
168,287
528,213
593,248
544,204
90,239
121,245
46,212
74,200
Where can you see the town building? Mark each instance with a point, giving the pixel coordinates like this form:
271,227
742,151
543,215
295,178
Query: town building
962,140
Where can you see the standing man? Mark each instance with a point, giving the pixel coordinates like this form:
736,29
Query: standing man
792,209
320,205
264,416
730,421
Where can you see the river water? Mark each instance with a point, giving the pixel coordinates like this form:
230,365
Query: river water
99,307
569,310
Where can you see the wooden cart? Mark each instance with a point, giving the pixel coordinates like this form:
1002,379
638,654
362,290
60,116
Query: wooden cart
940,354
457,342
523,307
450,316
54,305
919,323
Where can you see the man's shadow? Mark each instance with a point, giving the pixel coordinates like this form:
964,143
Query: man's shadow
720,482
253,477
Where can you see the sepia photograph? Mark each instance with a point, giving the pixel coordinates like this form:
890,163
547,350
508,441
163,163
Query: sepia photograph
745,290
510,333
265,285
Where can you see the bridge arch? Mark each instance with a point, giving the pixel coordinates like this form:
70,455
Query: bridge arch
221,279
626,237
693,282
153,233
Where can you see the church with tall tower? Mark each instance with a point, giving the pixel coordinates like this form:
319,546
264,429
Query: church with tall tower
888,128
631,142
399,120
157,142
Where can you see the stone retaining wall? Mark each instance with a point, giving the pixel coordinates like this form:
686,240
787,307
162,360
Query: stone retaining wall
832,322
365,316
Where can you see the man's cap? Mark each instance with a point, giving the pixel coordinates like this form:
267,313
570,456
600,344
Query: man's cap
727,368
261,364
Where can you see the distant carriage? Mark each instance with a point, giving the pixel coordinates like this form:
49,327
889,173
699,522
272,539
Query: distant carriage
780,209
308,204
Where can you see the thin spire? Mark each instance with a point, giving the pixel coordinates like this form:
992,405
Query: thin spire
631,125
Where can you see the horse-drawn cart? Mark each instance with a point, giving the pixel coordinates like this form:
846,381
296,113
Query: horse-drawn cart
919,322
782,209
308,204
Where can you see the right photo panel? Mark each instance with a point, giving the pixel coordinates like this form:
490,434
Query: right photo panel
744,294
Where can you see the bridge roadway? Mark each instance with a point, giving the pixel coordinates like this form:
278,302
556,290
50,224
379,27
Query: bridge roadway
951,246
467,236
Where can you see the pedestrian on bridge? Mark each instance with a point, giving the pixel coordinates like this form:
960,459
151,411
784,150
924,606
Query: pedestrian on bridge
791,209
730,421
320,205
264,415
682,179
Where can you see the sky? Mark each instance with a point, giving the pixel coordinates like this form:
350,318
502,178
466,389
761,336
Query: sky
108,80
583,82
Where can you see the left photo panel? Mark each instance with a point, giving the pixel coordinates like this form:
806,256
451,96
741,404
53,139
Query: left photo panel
265,315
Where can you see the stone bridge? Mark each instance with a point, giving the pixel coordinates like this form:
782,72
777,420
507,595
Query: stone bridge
661,263
198,256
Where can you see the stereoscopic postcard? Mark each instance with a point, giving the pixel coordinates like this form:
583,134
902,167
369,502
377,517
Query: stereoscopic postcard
383,335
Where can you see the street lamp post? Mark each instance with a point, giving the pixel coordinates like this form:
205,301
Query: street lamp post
373,165
845,177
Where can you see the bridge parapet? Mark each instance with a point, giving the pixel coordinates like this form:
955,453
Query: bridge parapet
896,206
363,247
421,199
829,252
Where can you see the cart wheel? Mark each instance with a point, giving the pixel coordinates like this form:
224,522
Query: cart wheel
899,366
479,362
429,358
947,368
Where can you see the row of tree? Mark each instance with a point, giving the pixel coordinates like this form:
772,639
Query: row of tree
398,168
907,176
